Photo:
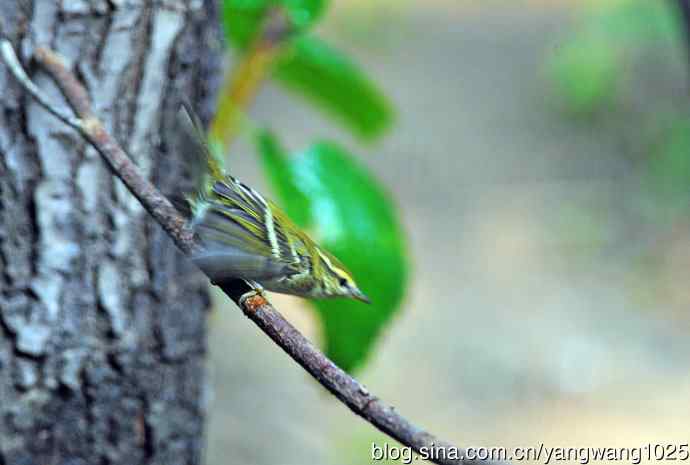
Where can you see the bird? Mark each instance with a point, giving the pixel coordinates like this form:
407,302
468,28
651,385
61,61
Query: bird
244,235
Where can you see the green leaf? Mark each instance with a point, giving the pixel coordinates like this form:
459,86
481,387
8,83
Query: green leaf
312,68
331,80
278,170
352,217
242,18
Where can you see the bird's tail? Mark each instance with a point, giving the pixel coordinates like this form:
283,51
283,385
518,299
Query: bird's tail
207,164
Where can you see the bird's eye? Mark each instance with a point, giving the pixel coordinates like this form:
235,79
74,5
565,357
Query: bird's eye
343,282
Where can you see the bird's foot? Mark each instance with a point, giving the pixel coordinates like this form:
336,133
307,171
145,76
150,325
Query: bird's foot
257,290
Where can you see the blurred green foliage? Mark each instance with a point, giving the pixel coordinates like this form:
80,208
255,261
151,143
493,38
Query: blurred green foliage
633,23
243,18
587,70
669,167
602,67
312,68
352,217
331,80
585,74
324,189
277,169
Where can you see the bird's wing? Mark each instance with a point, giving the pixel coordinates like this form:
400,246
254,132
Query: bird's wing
240,237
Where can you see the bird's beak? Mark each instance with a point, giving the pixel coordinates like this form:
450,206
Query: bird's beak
359,295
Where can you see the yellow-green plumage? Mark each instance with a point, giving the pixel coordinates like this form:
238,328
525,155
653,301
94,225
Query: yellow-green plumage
245,236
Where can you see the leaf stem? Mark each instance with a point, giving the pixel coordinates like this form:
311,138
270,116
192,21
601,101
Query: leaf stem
242,84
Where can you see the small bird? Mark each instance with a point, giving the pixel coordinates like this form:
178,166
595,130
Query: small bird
246,236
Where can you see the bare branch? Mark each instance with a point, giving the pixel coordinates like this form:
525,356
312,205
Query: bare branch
257,308
93,130
12,62
71,88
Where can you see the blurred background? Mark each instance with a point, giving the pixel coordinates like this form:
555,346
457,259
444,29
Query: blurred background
539,164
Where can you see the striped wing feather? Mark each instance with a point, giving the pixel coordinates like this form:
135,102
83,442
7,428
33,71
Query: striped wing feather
244,235
241,239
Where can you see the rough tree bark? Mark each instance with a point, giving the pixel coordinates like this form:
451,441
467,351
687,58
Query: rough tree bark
84,379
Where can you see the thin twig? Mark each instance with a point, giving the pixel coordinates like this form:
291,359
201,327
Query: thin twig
258,309
10,59
93,130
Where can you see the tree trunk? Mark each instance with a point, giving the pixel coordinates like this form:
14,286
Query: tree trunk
101,319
